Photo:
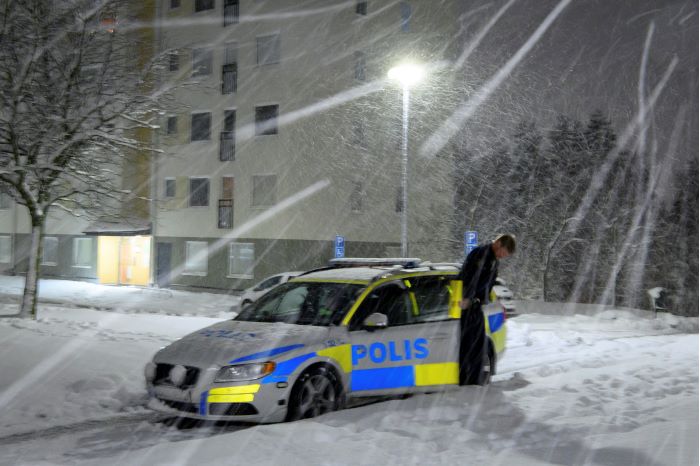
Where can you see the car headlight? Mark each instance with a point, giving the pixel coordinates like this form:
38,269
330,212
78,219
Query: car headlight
150,371
241,372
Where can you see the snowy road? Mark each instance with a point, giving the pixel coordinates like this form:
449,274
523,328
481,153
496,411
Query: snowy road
607,388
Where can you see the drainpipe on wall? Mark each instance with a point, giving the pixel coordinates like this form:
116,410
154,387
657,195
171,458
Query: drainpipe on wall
153,206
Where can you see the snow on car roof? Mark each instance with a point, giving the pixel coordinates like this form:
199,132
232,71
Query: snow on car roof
366,274
347,273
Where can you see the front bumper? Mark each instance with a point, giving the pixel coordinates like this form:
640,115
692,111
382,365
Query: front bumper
245,401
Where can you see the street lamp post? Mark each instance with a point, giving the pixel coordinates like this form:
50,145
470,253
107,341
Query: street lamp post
407,75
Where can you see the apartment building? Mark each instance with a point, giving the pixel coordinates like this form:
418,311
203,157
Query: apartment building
109,251
288,133
284,132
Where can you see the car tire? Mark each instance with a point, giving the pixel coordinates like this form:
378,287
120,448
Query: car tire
245,303
317,391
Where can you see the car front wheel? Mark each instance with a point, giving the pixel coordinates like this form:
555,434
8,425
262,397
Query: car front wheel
314,393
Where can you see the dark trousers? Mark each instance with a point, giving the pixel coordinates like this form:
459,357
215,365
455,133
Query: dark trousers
472,347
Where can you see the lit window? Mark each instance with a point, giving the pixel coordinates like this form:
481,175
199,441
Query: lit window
196,258
241,260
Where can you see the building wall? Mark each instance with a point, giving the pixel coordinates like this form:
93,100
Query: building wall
320,103
271,256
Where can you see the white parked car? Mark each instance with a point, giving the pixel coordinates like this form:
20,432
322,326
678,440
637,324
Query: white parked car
250,295
505,297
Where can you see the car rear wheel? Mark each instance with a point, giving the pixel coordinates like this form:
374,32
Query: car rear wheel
316,392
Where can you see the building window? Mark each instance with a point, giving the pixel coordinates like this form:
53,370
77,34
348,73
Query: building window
226,203
266,119
201,5
405,16
202,62
360,66
5,249
172,125
196,258
229,78
361,7
50,251
357,197
231,11
225,213
227,138
201,124
359,137
264,190
82,252
170,187
174,3
5,199
241,260
199,192
173,61
268,49
399,201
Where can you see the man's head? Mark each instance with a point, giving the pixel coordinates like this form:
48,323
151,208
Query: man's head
503,246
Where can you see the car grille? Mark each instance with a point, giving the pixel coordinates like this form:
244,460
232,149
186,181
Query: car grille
181,406
163,375
232,409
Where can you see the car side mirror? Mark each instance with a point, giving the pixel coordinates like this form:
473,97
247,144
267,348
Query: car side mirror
375,321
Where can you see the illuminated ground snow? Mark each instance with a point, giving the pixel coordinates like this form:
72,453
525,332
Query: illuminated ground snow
589,387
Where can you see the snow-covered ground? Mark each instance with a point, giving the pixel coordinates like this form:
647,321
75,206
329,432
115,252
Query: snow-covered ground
594,386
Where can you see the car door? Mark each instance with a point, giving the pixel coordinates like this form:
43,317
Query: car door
414,352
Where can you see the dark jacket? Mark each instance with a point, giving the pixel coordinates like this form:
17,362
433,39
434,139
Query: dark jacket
479,273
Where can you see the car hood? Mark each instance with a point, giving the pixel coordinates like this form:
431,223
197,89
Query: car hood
233,342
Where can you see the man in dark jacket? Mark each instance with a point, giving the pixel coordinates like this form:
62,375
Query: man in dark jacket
478,275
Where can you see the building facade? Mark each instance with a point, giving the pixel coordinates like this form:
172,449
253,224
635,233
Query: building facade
284,133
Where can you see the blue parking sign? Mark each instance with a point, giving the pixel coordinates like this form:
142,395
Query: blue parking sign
471,241
339,246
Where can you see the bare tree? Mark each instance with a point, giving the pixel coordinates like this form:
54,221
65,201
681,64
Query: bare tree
75,98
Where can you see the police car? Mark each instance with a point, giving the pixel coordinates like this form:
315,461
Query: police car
357,328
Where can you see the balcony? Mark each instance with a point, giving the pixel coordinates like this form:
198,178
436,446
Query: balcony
225,213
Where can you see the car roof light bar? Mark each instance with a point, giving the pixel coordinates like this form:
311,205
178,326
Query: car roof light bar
405,262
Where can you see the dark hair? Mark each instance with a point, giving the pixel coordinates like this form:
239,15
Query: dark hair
507,241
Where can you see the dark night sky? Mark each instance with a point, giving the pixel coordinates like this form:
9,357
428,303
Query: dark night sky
589,59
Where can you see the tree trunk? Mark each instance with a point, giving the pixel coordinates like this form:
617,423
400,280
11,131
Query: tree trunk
31,284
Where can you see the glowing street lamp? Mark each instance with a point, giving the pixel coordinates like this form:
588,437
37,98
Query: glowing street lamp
407,75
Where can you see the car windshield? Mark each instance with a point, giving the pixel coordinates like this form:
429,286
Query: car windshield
300,303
